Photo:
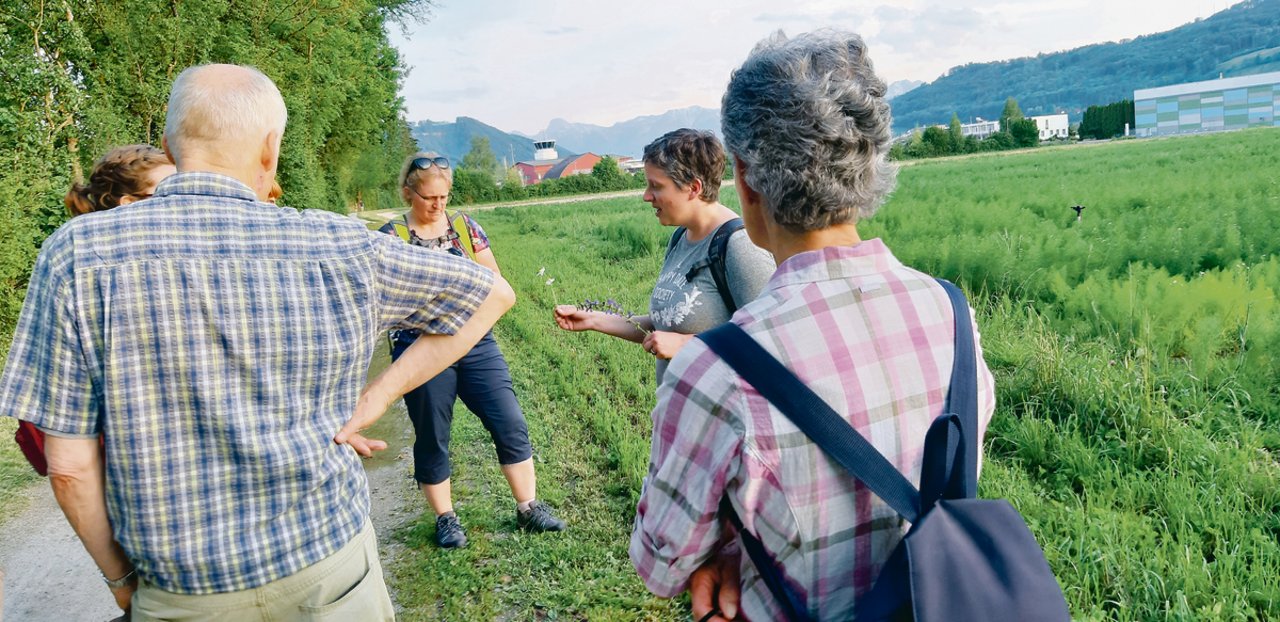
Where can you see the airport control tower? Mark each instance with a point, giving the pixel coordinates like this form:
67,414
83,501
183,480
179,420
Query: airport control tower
545,150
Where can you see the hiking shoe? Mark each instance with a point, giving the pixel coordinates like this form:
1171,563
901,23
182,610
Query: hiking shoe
538,518
449,533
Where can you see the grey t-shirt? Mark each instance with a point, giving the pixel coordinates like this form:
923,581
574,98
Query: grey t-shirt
690,307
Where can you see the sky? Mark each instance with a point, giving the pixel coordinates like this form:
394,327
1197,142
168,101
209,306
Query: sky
517,65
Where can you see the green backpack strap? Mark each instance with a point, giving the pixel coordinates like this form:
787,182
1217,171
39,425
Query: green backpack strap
456,220
402,228
459,223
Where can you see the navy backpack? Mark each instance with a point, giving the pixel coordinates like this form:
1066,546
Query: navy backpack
963,558
717,258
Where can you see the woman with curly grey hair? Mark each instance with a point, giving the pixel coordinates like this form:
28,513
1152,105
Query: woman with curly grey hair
808,127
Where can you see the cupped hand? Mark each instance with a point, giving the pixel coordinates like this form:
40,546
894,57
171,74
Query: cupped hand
715,592
569,317
665,344
124,597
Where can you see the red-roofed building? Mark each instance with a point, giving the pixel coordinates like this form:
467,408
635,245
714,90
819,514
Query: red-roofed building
547,164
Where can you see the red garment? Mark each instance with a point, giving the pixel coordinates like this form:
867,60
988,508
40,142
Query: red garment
31,440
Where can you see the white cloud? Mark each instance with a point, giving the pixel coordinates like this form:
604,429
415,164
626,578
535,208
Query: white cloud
517,65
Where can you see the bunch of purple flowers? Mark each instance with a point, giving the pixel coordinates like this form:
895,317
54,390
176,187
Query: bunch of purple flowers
612,307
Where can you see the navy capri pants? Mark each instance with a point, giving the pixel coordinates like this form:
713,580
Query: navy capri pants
483,381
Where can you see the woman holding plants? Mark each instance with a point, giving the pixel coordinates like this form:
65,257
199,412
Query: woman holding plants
481,378
711,267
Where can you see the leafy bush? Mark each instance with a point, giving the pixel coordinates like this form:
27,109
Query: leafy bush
84,77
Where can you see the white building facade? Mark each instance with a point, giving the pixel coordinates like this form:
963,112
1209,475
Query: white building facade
1052,126
979,129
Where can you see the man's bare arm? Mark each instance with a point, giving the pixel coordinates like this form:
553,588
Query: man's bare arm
77,476
422,361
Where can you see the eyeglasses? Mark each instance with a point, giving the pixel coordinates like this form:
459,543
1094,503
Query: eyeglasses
427,199
422,164
142,195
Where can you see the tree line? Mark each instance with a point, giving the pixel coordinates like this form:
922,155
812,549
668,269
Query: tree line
1109,121
81,77
1016,132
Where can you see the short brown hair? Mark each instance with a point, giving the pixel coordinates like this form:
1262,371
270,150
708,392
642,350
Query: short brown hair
685,155
119,172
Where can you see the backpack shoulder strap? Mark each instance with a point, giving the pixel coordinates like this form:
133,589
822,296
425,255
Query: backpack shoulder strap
458,221
814,417
401,227
675,237
962,396
718,255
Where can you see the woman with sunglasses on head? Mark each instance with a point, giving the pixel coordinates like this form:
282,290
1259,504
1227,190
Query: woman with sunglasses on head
481,378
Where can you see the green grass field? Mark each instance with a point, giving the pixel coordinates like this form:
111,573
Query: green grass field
1137,422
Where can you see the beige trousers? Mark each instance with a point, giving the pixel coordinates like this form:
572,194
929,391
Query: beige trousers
344,586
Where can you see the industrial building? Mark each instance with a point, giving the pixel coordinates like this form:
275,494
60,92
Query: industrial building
1210,106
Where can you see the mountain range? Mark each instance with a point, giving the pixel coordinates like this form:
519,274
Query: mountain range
626,138
453,140
1240,40
1243,39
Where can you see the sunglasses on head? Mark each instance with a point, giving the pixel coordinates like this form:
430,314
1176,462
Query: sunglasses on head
422,164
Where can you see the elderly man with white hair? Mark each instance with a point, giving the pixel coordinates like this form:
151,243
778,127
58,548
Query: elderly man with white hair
219,343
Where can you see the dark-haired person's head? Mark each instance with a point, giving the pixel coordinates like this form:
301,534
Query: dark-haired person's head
120,177
808,124
686,156
226,119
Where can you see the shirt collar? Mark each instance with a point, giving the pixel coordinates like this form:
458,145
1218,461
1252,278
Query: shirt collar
834,262
205,184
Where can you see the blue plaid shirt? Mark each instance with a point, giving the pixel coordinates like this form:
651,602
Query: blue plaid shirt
218,343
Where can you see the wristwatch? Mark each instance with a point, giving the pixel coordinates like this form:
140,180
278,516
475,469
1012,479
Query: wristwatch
127,579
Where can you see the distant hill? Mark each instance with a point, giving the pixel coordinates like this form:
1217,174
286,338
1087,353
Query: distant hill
1240,40
630,137
454,139
902,87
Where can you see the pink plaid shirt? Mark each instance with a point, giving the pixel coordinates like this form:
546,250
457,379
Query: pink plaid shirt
875,340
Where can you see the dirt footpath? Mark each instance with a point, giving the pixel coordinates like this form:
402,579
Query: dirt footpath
48,576
47,573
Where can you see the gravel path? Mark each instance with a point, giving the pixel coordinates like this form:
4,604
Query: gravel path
48,576
47,573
